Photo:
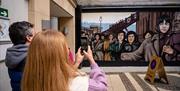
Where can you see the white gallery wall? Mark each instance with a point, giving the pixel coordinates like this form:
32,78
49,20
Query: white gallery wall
17,11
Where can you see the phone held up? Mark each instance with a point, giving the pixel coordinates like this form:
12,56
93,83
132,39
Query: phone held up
84,44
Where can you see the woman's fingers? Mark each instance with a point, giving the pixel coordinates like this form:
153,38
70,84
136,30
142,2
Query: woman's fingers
79,50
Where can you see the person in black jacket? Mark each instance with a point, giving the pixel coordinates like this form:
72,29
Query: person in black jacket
21,34
132,42
119,45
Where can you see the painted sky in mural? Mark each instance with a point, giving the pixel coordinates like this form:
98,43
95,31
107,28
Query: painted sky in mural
107,20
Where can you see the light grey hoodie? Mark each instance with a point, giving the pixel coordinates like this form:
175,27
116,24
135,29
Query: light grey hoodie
15,55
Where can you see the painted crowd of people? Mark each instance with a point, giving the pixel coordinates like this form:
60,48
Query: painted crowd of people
126,47
113,45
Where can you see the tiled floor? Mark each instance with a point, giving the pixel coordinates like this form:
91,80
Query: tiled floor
135,82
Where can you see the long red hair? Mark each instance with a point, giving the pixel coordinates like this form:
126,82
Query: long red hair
47,66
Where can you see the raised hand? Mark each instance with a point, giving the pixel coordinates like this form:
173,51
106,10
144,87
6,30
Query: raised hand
79,57
89,55
168,49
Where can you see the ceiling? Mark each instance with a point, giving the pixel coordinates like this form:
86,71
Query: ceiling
57,11
125,3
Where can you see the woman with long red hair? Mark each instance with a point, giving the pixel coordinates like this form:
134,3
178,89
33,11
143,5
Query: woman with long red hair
48,67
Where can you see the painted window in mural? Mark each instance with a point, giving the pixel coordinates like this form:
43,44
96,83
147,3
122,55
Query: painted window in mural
132,36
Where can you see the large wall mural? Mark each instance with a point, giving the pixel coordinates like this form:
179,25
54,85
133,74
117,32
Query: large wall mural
132,36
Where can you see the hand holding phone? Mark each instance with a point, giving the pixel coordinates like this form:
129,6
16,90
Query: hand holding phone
84,44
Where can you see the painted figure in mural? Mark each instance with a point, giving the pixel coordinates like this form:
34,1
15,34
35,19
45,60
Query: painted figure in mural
176,22
176,35
148,34
164,44
119,45
108,43
102,37
97,47
132,42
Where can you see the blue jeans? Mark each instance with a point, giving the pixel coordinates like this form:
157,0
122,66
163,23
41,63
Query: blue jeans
15,77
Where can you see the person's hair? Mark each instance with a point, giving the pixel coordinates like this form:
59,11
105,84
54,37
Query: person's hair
98,35
161,20
150,32
135,36
18,32
47,66
111,34
123,33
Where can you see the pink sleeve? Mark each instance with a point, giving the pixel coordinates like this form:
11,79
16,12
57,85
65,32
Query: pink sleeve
71,57
97,81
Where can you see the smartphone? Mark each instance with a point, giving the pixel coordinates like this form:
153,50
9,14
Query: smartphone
84,44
